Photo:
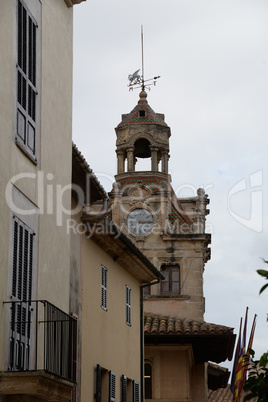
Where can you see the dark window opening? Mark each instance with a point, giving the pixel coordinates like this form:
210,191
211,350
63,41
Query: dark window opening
171,282
148,380
142,113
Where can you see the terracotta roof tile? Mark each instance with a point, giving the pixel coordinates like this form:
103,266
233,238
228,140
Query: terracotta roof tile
160,324
77,155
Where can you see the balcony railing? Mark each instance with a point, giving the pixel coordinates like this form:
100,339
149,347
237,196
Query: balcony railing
42,337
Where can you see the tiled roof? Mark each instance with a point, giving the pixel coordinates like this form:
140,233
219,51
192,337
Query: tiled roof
150,117
82,164
167,325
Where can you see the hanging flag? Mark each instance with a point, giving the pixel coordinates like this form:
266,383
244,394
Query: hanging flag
246,358
239,366
236,357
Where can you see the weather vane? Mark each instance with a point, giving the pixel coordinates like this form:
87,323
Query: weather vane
136,80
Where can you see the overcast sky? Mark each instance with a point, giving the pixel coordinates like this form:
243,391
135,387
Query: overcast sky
212,56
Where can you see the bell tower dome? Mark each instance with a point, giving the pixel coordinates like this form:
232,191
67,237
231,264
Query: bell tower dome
142,133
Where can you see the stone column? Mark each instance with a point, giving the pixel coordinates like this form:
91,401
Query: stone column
120,162
165,162
154,164
130,160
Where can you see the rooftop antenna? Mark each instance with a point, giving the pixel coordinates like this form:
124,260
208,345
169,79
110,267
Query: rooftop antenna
138,81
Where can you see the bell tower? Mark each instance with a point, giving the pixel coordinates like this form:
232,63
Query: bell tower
169,230
142,134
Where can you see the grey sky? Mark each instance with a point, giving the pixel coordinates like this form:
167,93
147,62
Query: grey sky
212,56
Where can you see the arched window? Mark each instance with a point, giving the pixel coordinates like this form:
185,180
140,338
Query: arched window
148,380
171,283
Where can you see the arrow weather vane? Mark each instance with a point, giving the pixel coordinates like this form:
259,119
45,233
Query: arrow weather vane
136,80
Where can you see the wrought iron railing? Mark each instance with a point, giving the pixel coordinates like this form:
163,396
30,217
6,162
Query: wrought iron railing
42,337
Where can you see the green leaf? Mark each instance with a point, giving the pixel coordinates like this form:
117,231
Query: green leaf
264,359
263,287
263,272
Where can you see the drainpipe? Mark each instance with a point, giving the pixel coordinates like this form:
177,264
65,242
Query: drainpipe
142,336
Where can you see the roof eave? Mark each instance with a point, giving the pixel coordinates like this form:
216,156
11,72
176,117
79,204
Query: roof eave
122,249
206,347
71,3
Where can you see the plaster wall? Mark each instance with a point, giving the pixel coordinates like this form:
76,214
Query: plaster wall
106,338
199,383
42,183
171,372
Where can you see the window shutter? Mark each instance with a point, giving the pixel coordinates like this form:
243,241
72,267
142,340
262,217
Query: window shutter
104,287
98,384
22,268
26,80
136,391
30,274
73,395
123,388
112,379
74,329
128,305
20,261
15,259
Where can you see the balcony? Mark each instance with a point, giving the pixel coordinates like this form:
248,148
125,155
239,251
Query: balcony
42,352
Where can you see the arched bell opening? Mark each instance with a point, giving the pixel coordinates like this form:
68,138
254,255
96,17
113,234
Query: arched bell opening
142,148
142,155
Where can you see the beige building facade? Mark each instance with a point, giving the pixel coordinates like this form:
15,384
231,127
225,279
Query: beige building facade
37,347
108,273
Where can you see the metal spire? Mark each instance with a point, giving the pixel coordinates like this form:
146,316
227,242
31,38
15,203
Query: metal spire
138,81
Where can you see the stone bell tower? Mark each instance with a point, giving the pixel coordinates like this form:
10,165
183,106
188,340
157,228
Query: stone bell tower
142,134
169,230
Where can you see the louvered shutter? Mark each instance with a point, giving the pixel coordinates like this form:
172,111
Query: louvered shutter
22,266
26,80
74,395
136,391
112,382
104,287
98,384
123,388
128,305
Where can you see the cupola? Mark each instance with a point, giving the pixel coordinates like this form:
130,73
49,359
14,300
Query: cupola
142,133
